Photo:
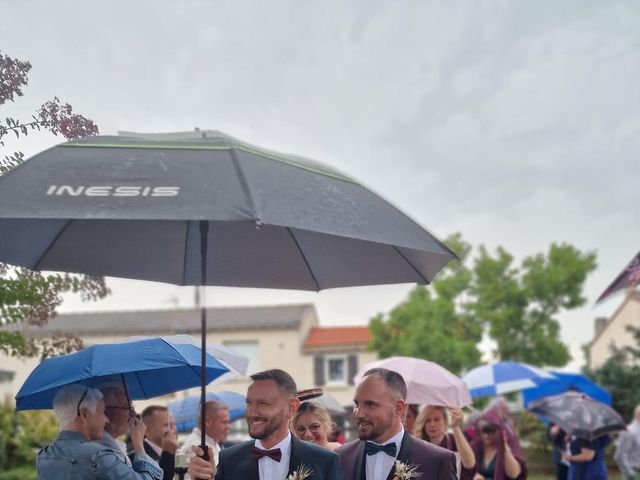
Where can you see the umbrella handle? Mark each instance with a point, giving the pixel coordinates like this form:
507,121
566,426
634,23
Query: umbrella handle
205,454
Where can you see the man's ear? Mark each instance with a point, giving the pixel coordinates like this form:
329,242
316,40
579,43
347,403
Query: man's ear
294,404
399,408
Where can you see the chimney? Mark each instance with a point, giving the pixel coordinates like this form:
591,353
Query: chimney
600,324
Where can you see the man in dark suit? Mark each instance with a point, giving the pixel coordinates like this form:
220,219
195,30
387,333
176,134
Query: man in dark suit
379,403
161,442
274,454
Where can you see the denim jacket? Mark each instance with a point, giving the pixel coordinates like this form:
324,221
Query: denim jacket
71,456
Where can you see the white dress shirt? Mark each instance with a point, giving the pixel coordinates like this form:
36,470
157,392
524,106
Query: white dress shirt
270,469
380,464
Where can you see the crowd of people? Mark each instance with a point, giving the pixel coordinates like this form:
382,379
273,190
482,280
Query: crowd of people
294,440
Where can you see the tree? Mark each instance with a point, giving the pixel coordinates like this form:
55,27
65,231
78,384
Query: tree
515,306
27,296
520,304
435,326
620,374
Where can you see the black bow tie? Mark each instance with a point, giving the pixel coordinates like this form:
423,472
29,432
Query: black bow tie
274,454
373,448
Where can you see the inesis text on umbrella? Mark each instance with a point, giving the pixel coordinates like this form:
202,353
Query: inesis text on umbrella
110,191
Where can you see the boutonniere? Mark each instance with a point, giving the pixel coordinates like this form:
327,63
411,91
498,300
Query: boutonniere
301,473
406,471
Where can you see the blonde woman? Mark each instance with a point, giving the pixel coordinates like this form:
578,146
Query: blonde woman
431,425
313,423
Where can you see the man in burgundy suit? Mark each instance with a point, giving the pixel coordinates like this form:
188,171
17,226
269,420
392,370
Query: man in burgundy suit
379,403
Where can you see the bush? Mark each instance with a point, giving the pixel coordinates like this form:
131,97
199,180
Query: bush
22,435
21,473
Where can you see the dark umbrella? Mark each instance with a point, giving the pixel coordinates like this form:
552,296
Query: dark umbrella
210,210
578,414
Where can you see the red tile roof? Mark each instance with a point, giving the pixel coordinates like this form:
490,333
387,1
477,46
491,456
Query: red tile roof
337,336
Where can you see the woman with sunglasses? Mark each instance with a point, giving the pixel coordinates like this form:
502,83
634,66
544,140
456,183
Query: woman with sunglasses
313,423
497,451
431,425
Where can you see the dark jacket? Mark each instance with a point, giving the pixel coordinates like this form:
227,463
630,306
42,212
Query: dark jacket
237,463
434,463
167,461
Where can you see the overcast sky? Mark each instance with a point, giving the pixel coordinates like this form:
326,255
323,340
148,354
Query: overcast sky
516,123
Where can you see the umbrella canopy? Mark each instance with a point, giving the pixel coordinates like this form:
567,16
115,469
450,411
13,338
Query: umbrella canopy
148,368
186,410
504,377
236,364
326,400
427,382
330,403
210,210
578,414
131,207
567,381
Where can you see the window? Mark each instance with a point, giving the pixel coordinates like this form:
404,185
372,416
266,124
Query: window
336,368
247,349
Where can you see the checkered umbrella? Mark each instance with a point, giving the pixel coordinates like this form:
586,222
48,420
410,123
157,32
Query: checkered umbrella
504,377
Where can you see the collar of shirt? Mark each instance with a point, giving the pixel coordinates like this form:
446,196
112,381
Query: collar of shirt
270,469
72,435
155,447
380,464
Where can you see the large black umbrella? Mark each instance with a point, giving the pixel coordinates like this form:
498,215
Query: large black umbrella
209,210
578,414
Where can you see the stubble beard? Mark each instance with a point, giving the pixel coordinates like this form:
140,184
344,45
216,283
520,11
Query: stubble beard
375,431
267,429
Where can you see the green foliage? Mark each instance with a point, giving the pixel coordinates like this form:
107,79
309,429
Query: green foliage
534,432
25,472
23,434
434,327
620,374
515,305
519,303
27,296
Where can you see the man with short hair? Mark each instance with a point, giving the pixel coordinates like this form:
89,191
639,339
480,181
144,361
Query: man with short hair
216,421
379,404
161,442
76,455
274,454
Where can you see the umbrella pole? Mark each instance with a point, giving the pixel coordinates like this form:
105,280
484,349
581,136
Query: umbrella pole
126,392
204,234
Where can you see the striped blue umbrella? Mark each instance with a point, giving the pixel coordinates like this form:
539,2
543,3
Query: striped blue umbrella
567,381
504,377
185,410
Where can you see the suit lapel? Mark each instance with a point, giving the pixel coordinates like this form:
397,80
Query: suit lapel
294,459
249,464
404,455
360,470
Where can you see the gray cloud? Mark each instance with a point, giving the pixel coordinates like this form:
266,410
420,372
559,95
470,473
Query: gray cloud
515,123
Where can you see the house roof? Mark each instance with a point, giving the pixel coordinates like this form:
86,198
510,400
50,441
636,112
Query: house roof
175,320
337,336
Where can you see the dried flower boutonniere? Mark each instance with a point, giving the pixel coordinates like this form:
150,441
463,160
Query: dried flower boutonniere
301,473
406,471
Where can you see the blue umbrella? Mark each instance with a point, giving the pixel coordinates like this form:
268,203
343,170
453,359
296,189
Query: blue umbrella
504,377
567,381
148,368
185,411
